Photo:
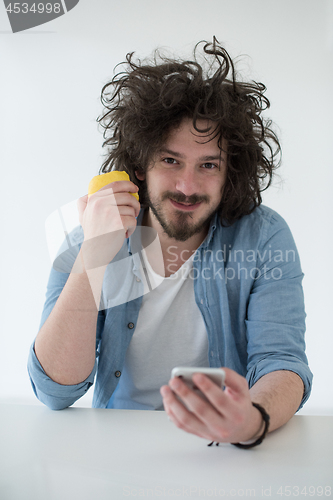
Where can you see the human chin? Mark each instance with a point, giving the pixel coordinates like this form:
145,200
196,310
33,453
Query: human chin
180,225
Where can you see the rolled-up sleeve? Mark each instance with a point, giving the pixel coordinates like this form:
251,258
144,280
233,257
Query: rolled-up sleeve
52,394
57,396
276,317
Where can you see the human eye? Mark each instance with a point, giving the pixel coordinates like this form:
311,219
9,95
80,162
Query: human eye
209,166
170,161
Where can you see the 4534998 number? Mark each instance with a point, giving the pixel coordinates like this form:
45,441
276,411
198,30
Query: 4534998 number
311,491
35,8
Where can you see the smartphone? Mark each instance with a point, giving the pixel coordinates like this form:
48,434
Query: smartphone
216,375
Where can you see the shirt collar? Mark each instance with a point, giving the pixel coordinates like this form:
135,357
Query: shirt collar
139,223
211,230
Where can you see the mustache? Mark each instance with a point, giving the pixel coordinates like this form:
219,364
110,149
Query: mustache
181,198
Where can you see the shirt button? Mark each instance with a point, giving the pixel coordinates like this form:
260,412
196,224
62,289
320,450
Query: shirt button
138,279
130,325
117,373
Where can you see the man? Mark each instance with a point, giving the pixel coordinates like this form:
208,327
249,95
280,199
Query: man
227,289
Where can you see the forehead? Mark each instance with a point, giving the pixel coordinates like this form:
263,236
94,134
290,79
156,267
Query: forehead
186,137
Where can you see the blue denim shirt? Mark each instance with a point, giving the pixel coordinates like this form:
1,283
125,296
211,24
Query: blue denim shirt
248,287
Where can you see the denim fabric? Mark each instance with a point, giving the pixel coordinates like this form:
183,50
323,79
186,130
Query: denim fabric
248,287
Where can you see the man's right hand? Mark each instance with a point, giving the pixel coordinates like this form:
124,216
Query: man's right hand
66,343
107,218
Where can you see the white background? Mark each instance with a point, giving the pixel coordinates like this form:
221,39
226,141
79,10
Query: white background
51,77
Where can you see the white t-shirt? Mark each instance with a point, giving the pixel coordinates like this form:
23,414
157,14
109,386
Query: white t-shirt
170,332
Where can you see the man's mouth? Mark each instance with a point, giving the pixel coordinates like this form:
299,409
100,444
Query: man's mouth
187,207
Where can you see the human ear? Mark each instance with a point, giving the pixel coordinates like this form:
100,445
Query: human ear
140,174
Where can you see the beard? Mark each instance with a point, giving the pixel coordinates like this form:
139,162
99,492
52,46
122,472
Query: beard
181,227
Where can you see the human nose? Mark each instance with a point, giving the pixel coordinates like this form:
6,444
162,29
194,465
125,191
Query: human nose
187,181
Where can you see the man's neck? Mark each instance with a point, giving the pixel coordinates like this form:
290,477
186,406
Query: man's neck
175,252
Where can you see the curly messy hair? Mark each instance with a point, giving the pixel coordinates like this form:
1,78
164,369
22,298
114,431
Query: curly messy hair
148,99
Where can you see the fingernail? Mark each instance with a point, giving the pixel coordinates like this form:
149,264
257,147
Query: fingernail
199,378
175,383
164,390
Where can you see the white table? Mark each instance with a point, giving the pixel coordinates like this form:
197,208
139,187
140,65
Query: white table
81,454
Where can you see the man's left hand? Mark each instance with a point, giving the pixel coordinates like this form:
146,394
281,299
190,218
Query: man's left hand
228,416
